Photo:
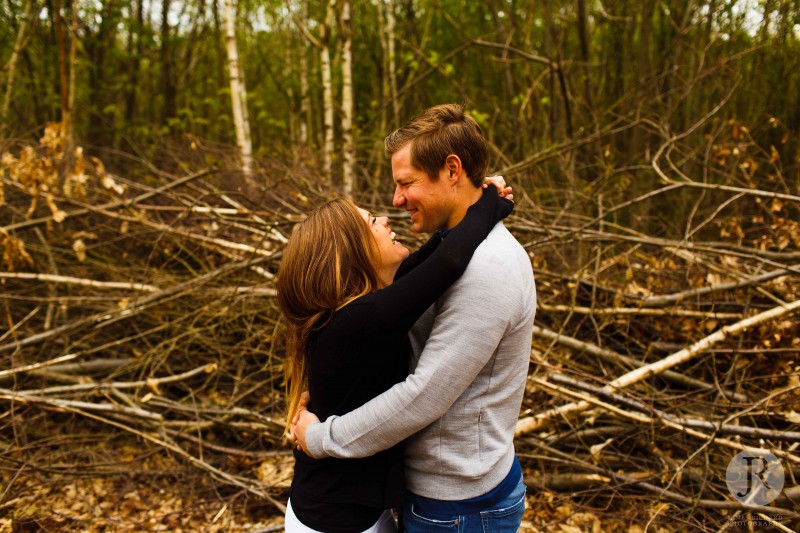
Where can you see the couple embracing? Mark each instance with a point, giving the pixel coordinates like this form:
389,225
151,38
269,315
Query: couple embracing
415,364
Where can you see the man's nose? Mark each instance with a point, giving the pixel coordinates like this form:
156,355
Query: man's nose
398,199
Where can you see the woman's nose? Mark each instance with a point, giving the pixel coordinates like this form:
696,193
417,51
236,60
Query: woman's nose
384,221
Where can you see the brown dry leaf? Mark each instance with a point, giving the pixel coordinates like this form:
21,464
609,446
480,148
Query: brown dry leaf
774,155
58,214
730,261
79,247
109,183
52,138
14,252
276,472
75,182
85,235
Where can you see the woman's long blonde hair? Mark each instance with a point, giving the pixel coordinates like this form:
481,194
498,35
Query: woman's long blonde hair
328,262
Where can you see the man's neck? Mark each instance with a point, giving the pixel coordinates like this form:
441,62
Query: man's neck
467,196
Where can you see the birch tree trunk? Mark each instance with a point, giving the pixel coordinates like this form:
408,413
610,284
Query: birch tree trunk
348,172
305,101
391,63
12,63
327,87
241,121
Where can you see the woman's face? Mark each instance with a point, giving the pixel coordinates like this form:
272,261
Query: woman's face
391,252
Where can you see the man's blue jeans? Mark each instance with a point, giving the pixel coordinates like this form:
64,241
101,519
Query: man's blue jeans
505,517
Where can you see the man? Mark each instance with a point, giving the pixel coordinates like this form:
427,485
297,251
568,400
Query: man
471,349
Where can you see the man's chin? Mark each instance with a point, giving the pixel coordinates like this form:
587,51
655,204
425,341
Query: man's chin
419,228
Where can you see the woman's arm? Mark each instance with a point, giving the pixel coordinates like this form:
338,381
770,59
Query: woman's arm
404,301
415,259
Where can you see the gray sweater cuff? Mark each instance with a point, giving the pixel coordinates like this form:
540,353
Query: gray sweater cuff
315,440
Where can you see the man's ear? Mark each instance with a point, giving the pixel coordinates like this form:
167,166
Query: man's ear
454,169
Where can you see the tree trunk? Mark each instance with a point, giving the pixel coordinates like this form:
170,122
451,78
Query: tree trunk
135,53
69,134
305,100
348,147
63,76
96,48
12,64
392,63
583,37
553,129
327,88
167,74
238,93
512,146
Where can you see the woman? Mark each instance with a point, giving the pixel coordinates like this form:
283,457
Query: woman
349,293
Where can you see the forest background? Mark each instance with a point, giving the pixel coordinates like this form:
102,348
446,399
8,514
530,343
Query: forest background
157,153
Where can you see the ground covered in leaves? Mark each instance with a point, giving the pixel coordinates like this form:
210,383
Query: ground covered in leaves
135,490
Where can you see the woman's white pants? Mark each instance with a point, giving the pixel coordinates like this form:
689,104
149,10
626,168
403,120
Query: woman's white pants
385,523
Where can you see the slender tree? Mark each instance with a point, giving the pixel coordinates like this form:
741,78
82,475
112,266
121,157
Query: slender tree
241,121
11,66
305,97
348,147
327,87
63,44
391,62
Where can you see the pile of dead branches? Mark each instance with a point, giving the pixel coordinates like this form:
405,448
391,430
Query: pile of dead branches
139,306
142,306
664,347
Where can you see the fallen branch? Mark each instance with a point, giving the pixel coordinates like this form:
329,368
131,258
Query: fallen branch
669,299
104,319
662,492
152,383
616,358
716,427
634,311
533,423
43,364
79,281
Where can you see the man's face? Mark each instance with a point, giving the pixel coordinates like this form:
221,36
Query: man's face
430,203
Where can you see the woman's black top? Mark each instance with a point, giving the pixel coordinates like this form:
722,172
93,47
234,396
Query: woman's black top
362,352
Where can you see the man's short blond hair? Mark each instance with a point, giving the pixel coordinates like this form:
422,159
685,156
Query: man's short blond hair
438,132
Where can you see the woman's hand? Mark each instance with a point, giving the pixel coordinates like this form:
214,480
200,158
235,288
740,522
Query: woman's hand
302,407
500,183
300,423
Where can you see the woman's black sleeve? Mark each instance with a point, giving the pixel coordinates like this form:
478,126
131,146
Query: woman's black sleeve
404,301
415,259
